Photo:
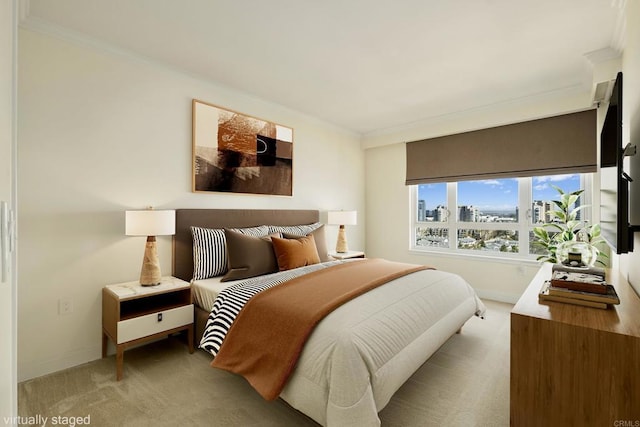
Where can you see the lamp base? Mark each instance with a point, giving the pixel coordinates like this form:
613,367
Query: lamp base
341,244
150,274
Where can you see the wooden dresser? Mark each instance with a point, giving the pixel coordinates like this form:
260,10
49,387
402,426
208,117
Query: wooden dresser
573,365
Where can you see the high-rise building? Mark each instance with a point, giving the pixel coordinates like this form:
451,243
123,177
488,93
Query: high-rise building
440,213
422,211
541,211
468,214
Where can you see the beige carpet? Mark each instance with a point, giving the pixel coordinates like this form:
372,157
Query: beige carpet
466,383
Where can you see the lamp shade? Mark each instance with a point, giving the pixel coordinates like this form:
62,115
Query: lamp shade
150,223
342,217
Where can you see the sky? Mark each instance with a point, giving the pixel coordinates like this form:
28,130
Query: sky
497,194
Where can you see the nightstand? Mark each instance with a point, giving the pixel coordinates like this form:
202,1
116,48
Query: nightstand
346,255
132,314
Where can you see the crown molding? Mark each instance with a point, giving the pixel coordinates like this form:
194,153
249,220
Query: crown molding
24,8
618,37
41,26
599,56
562,100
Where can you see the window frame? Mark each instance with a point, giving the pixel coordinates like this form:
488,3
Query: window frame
524,226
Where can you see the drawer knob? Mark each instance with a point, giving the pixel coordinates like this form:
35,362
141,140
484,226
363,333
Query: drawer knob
159,317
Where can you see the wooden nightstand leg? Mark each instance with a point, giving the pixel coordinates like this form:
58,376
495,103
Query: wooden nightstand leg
119,361
105,342
190,339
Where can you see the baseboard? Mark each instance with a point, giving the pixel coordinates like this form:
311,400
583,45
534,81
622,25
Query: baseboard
79,357
498,296
28,371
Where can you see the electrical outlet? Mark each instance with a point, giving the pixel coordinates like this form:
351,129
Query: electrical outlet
65,306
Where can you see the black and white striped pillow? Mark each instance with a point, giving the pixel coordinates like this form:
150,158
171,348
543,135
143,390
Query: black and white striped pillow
297,230
210,249
259,231
209,252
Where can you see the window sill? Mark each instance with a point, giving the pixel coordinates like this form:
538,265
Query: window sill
459,255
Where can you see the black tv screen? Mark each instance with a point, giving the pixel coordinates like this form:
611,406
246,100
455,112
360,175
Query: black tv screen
614,187
611,135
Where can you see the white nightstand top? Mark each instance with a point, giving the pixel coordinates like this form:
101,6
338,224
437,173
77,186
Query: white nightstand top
135,289
346,255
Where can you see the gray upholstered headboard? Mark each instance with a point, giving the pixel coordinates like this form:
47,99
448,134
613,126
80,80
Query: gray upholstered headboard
182,262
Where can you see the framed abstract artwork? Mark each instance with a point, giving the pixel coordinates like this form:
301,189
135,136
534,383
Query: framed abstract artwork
236,153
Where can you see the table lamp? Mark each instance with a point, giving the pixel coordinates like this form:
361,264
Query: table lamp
342,218
150,223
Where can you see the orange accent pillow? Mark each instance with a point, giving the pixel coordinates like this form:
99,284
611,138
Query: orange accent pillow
294,253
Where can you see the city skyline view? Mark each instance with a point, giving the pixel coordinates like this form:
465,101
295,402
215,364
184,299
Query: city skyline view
496,195
486,201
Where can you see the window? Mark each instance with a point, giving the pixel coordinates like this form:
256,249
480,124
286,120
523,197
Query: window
492,217
432,209
543,192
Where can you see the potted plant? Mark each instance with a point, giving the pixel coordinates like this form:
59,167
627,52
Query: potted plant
566,235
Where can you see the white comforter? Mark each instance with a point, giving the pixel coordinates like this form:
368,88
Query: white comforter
361,353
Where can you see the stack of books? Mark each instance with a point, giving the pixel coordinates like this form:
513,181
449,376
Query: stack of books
580,286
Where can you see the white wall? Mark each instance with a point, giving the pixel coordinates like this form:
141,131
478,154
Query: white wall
103,132
8,43
630,264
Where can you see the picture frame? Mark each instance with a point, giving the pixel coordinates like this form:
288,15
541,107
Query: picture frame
237,153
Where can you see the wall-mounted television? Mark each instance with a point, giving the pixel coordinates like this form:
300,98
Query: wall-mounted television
614,182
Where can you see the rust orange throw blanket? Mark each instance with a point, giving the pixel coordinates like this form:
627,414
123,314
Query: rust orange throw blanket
267,337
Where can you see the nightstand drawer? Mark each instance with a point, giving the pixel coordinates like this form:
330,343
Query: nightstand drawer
143,326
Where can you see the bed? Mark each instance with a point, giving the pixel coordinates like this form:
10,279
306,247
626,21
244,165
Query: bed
363,351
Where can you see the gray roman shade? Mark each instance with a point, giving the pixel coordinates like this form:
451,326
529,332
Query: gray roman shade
555,145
